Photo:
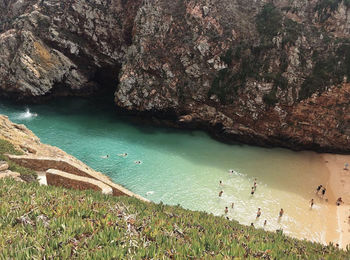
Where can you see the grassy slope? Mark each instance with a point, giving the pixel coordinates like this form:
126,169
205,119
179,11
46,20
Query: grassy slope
26,174
58,223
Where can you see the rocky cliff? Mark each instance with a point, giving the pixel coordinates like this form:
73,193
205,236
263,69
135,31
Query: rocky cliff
261,72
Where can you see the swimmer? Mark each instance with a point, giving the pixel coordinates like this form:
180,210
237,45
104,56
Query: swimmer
318,188
230,171
265,222
232,205
123,154
311,202
138,162
258,214
226,210
220,182
281,212
104,156
149,193
220,193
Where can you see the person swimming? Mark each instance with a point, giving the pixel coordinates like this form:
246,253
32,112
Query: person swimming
138,162
123,154
220,182
230,171
149,192
104,156
220,193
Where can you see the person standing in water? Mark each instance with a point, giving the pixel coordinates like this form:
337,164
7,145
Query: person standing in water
252,192
232,205
220,182
281,213
220,193
311,202
318,188
226,210
265,222
258,214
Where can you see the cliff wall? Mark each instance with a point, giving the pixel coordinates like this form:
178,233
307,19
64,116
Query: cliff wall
261,72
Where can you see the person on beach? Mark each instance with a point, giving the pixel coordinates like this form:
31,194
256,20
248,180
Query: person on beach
252,192
323,191
339,201
220,193
311,203
258,214
318,189
226,210
232,205
281,213
265,222
346,165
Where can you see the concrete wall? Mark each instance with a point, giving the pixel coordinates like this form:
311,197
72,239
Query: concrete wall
66,180
45,164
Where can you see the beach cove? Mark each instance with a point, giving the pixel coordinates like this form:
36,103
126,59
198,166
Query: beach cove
185,167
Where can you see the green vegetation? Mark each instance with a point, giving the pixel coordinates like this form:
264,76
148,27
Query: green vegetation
269,22
327,70
26,174
38,221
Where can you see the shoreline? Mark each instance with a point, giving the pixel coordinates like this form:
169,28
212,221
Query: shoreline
339,185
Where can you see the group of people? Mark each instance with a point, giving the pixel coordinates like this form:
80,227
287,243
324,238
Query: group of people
121,155
322,189
258,214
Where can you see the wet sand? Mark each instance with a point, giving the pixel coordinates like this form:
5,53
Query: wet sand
339,184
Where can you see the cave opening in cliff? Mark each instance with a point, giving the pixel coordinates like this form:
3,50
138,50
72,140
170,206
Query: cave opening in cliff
107,79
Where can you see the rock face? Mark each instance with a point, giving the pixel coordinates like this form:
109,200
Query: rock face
254,71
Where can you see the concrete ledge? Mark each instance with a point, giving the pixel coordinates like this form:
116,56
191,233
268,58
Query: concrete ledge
67,180
45,163
42,164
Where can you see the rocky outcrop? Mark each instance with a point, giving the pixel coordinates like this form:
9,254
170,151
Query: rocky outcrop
261,72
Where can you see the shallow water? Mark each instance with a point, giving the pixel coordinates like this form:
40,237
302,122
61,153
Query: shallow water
184,167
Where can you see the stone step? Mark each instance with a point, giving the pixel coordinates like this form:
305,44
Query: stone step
67,180
3,166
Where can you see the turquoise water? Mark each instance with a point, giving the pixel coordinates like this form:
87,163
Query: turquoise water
184,167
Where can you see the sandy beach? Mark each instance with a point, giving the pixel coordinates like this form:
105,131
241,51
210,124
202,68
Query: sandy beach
339,184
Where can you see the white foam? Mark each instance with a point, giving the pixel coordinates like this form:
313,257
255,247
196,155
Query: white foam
26,115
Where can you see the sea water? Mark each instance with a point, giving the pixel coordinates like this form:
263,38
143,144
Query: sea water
185,167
